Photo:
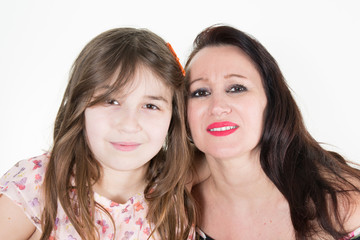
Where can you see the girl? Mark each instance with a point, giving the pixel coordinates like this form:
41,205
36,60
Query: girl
116,169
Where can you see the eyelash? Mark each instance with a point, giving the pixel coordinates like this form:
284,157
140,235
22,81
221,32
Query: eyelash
203,92
237,87
112,102
146,106
151,106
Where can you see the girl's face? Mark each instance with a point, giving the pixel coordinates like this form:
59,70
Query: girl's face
226,103
128,130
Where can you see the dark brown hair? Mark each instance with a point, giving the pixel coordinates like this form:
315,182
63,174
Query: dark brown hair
312,179
73,168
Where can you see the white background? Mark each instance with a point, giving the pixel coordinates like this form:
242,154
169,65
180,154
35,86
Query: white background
316,43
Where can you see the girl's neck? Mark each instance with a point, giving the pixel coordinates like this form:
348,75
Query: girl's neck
119,186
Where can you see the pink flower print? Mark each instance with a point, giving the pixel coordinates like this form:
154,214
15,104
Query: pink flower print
103,225
56,223
125,209
110,210
70,237
191,236
113,204
139,222
34,202
37,164
147,231
38,178
127,235
36,220
127,219
4,189
21,184
138,206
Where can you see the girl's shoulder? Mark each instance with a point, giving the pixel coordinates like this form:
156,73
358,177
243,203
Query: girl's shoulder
22,184
25,172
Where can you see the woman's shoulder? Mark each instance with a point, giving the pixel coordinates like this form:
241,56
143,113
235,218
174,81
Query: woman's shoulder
352,216
354,235
349,207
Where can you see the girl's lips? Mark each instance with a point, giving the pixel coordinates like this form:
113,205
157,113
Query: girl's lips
125,146
222,128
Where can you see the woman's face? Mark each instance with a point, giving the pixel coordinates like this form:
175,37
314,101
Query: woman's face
226,103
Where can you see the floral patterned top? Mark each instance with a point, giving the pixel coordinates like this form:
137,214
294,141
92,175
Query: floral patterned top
22,184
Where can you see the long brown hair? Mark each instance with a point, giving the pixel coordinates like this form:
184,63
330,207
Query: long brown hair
73,168
312,179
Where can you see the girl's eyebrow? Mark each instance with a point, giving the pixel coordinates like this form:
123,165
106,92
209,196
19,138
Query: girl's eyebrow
103,88
151,97
158,98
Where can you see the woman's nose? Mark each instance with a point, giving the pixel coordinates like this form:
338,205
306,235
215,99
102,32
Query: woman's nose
219,105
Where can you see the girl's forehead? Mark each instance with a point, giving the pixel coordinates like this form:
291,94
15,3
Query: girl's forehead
147,77
142,77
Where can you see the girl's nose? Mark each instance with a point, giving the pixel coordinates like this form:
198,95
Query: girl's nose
128,121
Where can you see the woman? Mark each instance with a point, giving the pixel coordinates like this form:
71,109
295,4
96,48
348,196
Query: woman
269,178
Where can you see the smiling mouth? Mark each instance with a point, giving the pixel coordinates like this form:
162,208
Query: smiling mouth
220,129
125,146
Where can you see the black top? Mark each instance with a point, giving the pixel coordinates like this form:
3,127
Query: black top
198,236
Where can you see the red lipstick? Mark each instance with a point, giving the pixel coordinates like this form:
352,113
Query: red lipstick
125,146
220,129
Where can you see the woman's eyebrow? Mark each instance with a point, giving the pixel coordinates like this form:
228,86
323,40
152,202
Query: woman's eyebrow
226,76
196,80
234,75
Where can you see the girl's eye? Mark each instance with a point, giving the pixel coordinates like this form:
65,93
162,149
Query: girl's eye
201,92
112,102
236,88
151,106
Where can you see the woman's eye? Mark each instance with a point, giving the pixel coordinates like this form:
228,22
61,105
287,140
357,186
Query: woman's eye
202,92
112,102
151,106
236,88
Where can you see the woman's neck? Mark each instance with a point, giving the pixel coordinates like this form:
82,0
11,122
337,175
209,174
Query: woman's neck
240,179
